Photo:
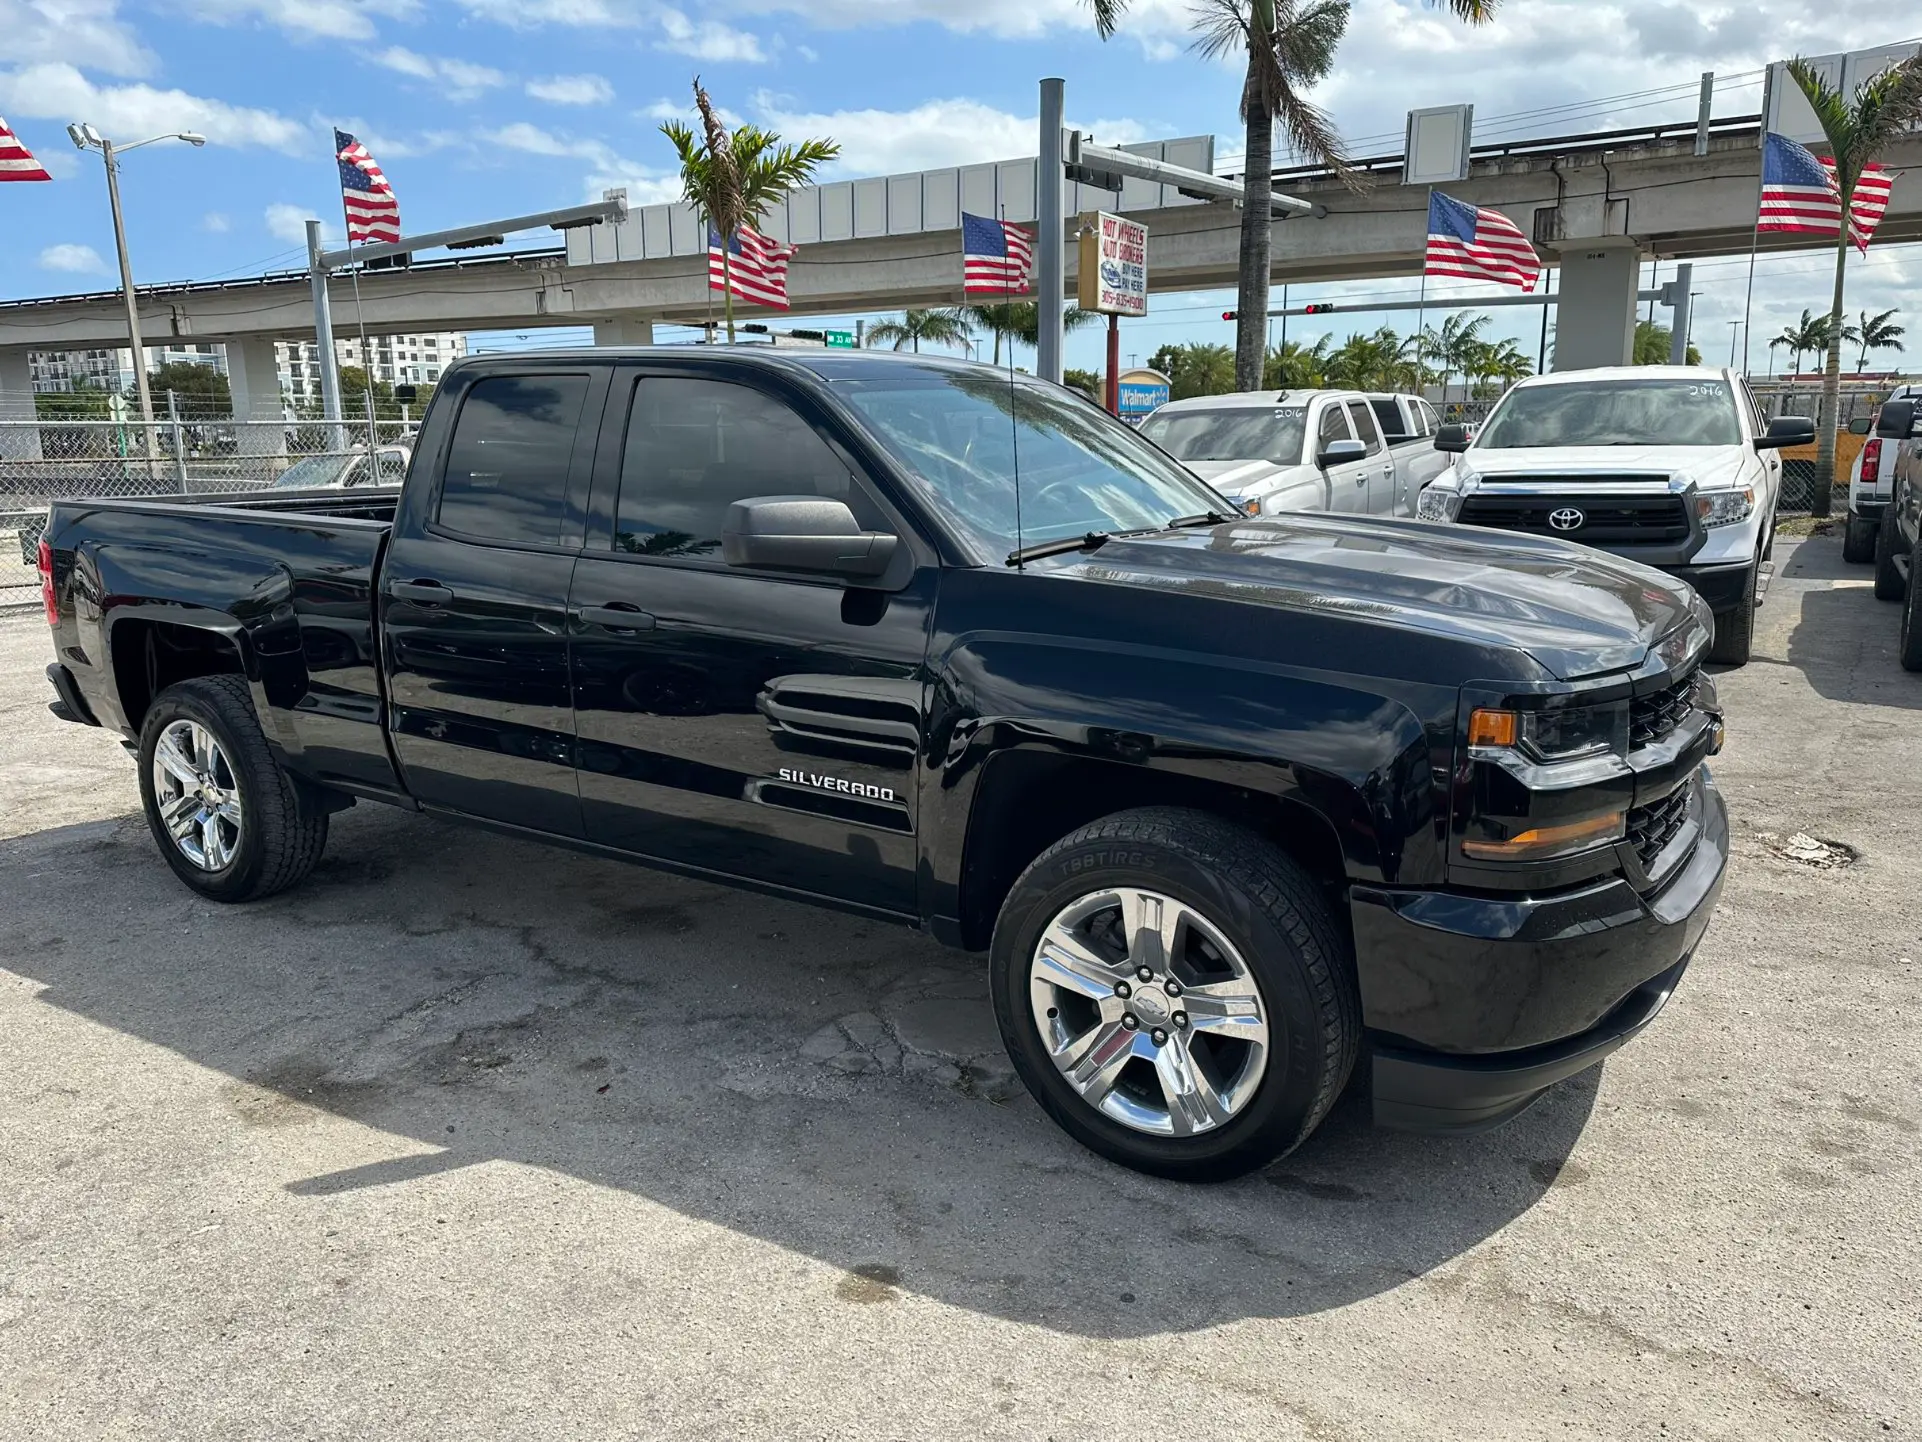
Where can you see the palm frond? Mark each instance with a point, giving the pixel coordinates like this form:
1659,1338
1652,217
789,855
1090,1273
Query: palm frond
1472,12
1107,15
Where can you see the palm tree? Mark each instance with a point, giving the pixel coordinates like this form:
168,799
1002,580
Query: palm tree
1020,320
1654,344
1195,369
1858,128
733,180
1807,334
1451,343
1876,332
937,327
1293,364
1290,45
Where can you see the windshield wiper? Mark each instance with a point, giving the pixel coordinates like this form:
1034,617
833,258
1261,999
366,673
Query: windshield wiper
1092,541
1206,518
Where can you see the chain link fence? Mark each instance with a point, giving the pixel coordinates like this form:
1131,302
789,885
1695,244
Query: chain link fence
57,459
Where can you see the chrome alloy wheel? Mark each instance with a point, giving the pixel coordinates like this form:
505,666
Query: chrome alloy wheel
197,795
1149,1012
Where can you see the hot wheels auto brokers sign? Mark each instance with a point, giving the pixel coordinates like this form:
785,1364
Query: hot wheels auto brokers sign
1114,265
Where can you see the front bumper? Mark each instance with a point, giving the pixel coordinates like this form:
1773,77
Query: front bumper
1541,988
1721,586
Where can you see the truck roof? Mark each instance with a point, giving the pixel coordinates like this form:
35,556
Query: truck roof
822,362
1627,373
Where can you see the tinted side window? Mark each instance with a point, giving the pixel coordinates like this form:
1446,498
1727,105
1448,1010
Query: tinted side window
1334,425
1388,412
1365,430
507,463
694,447
1428,421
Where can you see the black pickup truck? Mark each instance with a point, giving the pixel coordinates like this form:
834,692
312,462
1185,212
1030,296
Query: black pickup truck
1233,804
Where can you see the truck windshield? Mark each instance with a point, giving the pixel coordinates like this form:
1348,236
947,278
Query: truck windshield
967,434
1240,433
313,473
1615,413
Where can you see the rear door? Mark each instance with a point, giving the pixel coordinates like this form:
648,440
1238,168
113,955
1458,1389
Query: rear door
474,600
746,723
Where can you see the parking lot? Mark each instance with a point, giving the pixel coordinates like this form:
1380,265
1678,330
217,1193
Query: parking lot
468,1137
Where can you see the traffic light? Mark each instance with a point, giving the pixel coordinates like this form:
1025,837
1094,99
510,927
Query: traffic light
1228,314
1316,309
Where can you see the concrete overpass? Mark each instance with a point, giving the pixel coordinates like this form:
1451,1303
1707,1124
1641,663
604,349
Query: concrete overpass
1597,205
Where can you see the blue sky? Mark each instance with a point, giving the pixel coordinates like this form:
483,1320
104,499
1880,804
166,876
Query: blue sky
481,107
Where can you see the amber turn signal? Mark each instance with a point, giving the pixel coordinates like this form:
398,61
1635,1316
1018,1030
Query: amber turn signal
1493,728
1547,841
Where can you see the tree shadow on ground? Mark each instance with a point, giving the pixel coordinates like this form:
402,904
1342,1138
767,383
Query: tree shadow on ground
493,999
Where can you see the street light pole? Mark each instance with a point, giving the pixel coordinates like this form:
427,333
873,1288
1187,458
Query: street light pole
1733,327
85,137
127,295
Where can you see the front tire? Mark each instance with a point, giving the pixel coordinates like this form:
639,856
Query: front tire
1735,629
1889,585
230,822
1174,992
1858,540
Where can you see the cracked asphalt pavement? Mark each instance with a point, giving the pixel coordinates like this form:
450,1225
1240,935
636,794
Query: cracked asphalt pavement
470,1138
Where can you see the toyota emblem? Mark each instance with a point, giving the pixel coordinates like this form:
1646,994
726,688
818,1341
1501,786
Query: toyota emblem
1566,519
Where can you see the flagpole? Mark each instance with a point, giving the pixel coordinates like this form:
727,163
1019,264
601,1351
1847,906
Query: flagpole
1421,310
360,322
1754,244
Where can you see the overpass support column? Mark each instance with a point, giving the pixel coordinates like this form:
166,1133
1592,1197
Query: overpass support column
17,442
624,330
1595,304
253,375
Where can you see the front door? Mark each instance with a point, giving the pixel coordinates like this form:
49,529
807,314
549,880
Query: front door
750,724
474,604
1347,483
1379,465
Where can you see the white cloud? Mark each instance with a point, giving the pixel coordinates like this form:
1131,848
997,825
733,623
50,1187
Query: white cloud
571,90
86,32
289,222
933,134
458,80
77,259
1004,19
60,92
708,39
532,14
606,167
308,19
216,222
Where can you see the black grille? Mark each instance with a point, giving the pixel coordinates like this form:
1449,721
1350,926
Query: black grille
1654,715
1652,827
1604,520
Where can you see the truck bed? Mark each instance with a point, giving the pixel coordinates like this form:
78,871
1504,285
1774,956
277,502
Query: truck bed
296,570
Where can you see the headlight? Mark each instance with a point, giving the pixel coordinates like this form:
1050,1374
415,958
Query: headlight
1437,504
1553,782
1724,508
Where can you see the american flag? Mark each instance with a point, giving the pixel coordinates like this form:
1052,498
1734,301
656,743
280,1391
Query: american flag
755,269
373,214
1469,243
1800,194
996,258
16,161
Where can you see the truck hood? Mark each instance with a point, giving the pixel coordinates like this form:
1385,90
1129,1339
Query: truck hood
1243,478
1710,465
1577,612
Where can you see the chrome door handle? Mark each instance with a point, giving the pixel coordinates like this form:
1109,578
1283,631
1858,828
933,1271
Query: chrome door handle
421,593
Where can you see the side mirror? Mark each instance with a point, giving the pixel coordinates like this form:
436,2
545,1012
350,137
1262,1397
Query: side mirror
1451,437
803,533
1859,426
1896,421
1787,431
1340,453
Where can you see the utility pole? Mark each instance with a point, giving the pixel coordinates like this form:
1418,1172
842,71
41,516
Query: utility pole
1052,270
324,332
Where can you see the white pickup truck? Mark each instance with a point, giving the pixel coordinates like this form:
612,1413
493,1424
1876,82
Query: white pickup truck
1672,466
1871,482
1293,450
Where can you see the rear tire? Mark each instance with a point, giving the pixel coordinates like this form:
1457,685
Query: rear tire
1889,584
257,830
1256,953
1909,647
1858,540
1735,630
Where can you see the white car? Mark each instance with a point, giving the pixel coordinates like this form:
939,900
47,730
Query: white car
1295,450
1871,483
339,470
1672,466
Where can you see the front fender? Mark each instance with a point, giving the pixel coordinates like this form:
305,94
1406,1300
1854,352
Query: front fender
1369,758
